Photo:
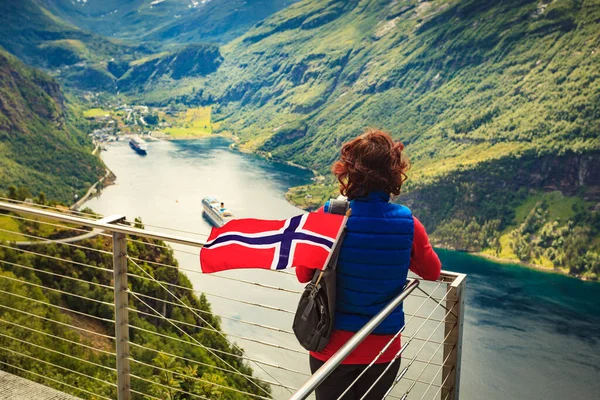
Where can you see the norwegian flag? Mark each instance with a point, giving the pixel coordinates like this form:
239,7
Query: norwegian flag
304,240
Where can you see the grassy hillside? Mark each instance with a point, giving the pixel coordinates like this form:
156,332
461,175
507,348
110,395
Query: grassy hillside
473,88
40,146
189,61
459,81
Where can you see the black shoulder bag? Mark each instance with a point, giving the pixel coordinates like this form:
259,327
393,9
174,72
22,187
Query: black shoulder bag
313,321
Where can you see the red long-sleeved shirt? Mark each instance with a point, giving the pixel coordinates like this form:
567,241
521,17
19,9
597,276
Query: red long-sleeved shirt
423,262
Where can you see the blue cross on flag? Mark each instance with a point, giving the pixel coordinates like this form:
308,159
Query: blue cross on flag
304,240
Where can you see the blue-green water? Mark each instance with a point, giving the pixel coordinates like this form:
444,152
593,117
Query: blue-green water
527,335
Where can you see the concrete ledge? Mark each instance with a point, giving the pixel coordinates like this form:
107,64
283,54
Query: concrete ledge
16,388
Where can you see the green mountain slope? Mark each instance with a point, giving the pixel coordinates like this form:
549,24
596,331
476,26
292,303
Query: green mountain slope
40,146
40,38
480,92
180,21
218,21
51,34
460,81
167,67
121,18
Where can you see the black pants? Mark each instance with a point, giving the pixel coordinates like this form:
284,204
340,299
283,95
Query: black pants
345,374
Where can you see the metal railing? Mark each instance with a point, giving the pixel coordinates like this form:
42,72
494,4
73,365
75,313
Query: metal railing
118,341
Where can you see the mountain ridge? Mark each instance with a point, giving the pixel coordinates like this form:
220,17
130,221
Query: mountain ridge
174,21
41,147
471,88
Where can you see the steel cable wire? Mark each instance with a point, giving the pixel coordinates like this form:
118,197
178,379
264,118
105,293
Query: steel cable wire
57,337
43,241
438,302
57,290
68,310
277,346
191,337
399,377
144,394
56,258
207,365
169,387
59,366
397,355
167,247
199,379
58,352
170,229
55,225
435,376
35,205
218,351
250,323
413,360
56,322
265,306
57,275
258,284
405,370
424,368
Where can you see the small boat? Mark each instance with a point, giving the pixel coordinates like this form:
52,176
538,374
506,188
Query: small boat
216,212
139,145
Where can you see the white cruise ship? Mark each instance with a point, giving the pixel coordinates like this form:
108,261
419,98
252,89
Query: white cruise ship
139,145
215,211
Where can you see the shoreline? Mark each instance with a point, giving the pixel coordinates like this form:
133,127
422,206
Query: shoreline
234,146
93,190
170,138
518,263
109,177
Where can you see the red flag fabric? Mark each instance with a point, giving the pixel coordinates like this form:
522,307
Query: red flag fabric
304,240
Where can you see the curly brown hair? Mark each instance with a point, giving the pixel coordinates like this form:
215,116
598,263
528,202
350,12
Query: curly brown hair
371,162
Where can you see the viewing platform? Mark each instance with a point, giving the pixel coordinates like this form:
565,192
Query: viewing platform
79,317
16,388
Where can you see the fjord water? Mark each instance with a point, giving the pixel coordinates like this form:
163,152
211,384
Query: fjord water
527,335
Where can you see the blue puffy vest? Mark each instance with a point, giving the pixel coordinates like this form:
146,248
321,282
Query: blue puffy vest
373,263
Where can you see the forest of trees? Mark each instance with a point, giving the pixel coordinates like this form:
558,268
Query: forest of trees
539,239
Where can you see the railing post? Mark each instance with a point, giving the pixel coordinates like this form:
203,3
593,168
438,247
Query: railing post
121,315
453,343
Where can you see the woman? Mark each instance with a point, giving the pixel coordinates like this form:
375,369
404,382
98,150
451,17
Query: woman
383,241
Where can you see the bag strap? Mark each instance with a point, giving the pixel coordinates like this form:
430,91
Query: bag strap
336,207
334,256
